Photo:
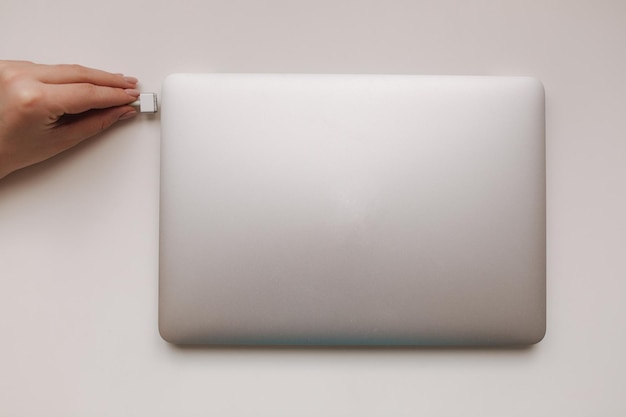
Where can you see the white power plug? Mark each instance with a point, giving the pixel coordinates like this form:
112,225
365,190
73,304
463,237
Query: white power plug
147,103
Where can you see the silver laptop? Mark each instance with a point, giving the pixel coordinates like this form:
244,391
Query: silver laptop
369,210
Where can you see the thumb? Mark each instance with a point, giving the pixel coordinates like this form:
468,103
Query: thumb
85,125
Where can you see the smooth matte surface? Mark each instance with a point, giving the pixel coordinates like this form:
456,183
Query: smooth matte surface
78,234
352,210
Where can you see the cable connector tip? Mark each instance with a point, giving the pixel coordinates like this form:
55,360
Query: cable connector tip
147,103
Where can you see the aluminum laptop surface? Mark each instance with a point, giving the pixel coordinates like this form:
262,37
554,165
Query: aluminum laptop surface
352,210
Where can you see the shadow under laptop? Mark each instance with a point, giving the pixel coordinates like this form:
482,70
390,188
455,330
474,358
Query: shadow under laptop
199,349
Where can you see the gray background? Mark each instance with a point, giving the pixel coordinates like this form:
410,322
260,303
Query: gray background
78,234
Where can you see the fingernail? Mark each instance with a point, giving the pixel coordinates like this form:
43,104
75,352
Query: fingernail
128,115
132,92
131,80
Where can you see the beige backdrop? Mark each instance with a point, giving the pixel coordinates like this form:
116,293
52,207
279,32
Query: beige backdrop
78,234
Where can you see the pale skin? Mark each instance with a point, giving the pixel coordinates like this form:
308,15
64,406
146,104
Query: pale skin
47,109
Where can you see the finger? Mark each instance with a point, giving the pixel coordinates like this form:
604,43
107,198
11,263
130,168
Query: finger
67,74
78,98
84,126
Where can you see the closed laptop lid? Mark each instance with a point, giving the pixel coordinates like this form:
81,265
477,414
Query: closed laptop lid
352,210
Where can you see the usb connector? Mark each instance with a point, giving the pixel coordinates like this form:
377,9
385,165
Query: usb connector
147,103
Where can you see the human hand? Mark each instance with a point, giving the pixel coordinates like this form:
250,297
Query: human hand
46,109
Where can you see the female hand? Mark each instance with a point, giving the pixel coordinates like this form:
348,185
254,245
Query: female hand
46,109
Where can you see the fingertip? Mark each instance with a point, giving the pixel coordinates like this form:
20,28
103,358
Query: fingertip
128,115
130,80
132,92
